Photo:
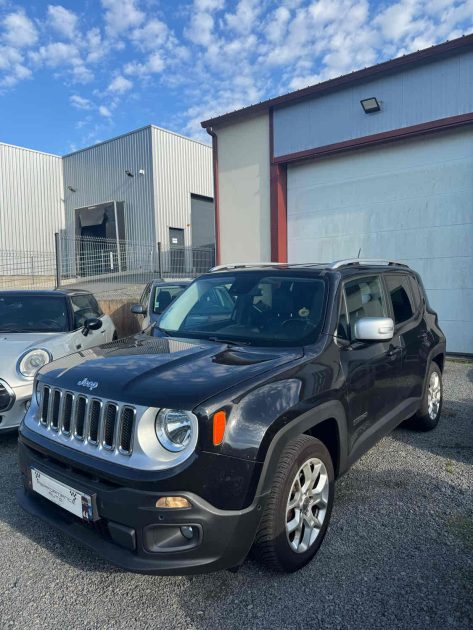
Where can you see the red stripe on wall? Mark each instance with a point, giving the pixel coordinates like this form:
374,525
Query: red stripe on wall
278,202
212,133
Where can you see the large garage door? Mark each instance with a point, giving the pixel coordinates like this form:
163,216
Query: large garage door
411,201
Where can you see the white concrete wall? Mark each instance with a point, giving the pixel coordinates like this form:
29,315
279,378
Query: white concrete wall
243,179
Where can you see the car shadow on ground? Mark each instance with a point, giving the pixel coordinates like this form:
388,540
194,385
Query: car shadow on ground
451,439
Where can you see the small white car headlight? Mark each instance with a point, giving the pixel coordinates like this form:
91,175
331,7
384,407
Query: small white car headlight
175,428
32,361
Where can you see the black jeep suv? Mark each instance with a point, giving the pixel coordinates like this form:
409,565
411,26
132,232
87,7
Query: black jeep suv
223,429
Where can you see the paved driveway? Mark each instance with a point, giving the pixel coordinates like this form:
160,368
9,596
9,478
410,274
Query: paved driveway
398,554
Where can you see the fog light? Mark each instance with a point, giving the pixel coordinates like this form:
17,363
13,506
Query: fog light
187,532
173,502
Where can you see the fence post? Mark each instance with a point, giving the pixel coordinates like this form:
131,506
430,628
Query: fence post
160,260
57,248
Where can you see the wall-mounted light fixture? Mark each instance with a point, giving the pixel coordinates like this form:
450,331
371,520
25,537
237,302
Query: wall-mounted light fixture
71,189
129,173
370,105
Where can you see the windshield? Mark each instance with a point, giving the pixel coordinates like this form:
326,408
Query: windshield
33,313
163,296
251,307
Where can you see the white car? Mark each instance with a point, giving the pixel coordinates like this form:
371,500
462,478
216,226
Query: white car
37,327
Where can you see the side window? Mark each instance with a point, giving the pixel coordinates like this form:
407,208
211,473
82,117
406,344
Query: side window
145,296
364,298
401,297
84,306
342,328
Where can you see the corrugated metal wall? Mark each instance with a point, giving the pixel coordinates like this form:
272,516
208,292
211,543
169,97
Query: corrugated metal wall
31,199
36,201
97,174
181,167
421,94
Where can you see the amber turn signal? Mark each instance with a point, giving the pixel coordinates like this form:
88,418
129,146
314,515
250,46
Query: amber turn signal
173,502
220,422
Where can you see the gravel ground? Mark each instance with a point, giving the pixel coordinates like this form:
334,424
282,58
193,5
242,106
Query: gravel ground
398,553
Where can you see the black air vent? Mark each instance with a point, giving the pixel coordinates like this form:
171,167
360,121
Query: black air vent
94,421
126,433
80,416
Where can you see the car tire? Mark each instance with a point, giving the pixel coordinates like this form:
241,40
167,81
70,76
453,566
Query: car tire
115,336
288,537
428,416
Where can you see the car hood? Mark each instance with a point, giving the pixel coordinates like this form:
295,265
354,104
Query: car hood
13,345
162,372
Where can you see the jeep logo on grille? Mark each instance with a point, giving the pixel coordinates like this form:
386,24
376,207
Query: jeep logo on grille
89,384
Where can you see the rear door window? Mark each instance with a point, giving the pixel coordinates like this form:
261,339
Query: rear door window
399,290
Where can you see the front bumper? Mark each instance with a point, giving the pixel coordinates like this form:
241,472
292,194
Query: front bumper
135,535
12,418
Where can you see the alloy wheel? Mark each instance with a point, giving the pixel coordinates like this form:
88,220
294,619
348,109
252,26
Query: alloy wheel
307,505
434,395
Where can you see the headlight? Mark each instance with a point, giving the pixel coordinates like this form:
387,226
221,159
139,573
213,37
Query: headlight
175,428
32,361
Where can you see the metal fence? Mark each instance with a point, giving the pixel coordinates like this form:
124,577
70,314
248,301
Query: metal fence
27,269
101,265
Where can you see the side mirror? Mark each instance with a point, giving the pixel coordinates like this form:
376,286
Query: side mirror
92,323
374,329
138,309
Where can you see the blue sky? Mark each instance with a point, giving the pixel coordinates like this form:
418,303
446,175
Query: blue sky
77,72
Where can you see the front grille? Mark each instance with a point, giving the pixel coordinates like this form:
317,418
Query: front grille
90,420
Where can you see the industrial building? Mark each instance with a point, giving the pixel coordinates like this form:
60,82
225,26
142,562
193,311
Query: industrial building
147,186
377,162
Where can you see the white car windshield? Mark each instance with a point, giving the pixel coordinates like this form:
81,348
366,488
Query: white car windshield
257,308
33,313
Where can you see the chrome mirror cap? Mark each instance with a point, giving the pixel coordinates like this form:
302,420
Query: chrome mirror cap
374,329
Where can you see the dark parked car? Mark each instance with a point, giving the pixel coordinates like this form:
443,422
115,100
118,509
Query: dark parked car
179,454
156,297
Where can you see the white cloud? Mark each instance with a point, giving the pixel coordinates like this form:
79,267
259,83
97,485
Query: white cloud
67,57
80,103
104,111
12,68
18,30
246,15
120,85
121,15
151,36
63,21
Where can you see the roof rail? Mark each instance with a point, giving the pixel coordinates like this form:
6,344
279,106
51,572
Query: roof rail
366,261
245,265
